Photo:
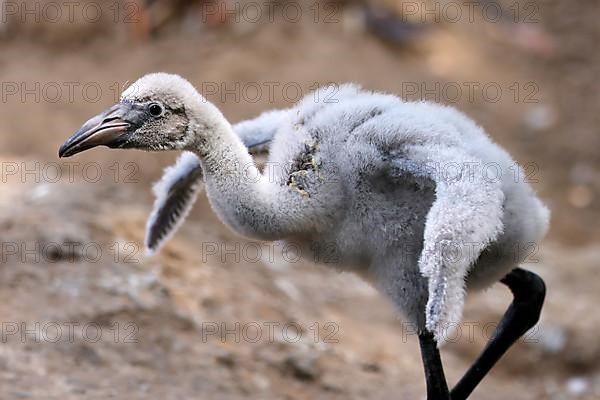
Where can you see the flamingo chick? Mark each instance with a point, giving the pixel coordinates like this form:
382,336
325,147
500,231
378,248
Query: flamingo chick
414,197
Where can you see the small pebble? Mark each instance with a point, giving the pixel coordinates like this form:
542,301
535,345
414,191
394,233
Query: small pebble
303,368
540,117
578,386
551,339
580,196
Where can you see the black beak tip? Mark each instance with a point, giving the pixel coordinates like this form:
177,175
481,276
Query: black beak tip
65,150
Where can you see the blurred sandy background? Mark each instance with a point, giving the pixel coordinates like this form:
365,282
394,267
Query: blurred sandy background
86,315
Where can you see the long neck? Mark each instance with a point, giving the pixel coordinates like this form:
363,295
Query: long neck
241,196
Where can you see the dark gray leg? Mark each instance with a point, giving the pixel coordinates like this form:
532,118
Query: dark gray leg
437,389
529,291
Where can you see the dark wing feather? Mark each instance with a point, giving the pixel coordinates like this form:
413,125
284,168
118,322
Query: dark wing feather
175,195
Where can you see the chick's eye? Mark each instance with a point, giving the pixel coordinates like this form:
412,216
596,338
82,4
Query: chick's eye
155,109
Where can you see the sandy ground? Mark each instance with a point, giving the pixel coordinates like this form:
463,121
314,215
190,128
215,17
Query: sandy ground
85,314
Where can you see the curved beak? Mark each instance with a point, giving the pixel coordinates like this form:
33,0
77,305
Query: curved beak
109,128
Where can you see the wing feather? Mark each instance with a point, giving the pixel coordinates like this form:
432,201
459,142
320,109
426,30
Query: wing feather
464,219
175,195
